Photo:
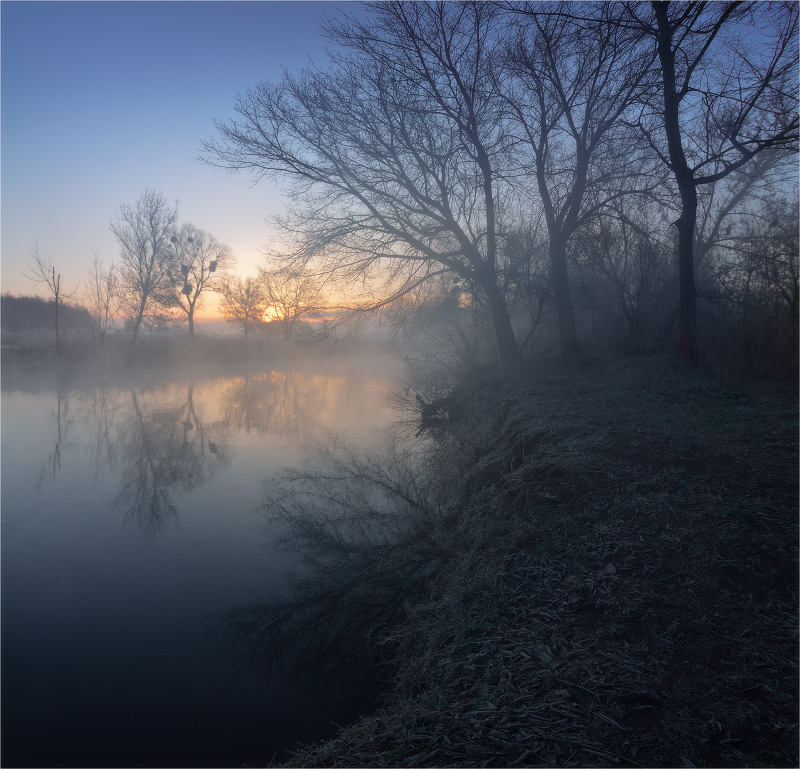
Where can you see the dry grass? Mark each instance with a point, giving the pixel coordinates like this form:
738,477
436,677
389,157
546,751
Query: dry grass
623,583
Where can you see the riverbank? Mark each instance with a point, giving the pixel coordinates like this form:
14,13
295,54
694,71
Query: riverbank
622,586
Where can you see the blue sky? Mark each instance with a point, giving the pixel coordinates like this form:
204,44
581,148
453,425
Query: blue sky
101,100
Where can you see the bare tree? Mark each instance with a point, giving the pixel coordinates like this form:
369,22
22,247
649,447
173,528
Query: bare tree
626,252
41,270
723,203
143,232
199,264
728,92
396,154
101,296
291,294
575,74
243,302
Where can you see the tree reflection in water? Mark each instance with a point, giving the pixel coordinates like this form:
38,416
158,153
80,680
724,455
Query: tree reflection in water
101,410
163,450
273,402
368,531
64,420
161,446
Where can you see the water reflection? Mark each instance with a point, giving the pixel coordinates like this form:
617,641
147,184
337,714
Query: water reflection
101,620
63,420
100,413
162,442
275,402
369,531
163,448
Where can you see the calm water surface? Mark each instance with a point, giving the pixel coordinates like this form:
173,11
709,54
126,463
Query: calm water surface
129,517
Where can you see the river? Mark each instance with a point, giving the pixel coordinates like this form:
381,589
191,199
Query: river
131,520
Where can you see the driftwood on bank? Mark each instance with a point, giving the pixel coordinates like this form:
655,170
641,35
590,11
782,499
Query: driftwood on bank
440,410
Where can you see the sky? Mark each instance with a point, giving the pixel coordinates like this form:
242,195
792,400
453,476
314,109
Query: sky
102,100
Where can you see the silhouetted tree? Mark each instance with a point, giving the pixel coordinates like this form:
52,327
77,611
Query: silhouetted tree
722,102
396,154
142,231
575,75
291,294
199,264
751,293
723,204
41,270
101,298
243,302
627,253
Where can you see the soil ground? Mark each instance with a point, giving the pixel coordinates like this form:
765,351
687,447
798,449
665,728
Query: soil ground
622,589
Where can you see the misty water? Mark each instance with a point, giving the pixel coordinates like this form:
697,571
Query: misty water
131,521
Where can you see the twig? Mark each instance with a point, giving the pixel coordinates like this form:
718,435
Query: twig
726,637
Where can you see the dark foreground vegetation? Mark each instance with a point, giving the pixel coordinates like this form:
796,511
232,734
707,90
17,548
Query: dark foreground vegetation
620,580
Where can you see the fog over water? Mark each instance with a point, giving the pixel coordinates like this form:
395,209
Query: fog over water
131,522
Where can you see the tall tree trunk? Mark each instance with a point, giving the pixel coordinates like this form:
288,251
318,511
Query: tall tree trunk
136,325
559,233
138,321
57,296
567,333
504,332
191,323
58,341
687,322
684,177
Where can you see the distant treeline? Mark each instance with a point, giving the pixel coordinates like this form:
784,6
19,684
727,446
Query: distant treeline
26,313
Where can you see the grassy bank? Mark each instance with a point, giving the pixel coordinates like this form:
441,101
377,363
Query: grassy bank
622,582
